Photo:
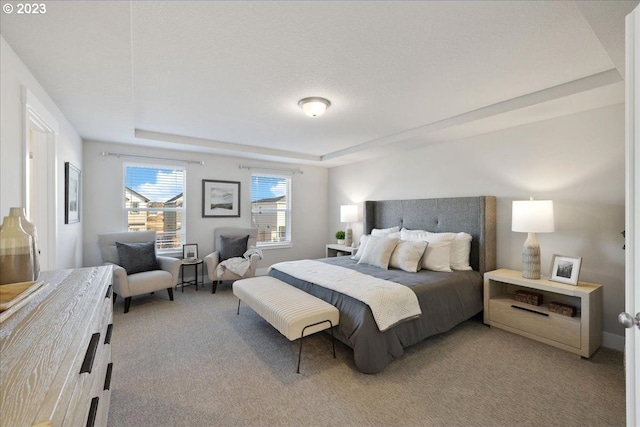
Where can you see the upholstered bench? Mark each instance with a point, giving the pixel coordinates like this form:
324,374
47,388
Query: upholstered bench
294,313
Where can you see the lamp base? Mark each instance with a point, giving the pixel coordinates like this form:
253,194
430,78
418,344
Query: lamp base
348,237
531,258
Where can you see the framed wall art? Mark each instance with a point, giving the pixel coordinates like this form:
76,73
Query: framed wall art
71,193
220,199
565,269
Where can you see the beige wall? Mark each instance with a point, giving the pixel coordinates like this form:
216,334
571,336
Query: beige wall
103,193
15,76
577,161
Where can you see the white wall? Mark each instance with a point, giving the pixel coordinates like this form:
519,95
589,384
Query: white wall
14,75
103,196
577,161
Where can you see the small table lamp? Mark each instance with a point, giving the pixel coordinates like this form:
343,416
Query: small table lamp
532,216
348,213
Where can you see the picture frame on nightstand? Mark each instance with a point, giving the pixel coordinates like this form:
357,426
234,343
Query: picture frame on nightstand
565,269
190,251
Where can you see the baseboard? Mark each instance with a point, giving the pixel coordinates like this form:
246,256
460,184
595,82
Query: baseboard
613,341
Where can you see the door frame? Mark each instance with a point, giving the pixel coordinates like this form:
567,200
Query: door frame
36,116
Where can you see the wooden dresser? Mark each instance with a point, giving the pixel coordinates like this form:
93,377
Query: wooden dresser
55,352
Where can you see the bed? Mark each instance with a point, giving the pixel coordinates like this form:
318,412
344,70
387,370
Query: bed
445,298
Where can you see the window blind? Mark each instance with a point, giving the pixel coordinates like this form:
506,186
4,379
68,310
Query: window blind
154,200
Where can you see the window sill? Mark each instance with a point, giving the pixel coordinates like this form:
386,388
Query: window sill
173,254
269,246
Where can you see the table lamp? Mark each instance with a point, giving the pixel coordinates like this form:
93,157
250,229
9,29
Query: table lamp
348,214
532,216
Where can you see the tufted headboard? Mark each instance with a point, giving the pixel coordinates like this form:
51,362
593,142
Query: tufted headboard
473,215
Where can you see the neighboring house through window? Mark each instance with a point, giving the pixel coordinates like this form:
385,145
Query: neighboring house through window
271,208
154,200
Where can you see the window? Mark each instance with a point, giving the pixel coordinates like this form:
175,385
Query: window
271,208
154,200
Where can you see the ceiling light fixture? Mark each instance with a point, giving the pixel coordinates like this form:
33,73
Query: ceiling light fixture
314,106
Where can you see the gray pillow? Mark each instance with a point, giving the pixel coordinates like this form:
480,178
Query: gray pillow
138,257
232,246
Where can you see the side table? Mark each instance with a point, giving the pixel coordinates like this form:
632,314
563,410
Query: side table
334,249
581,334
195,263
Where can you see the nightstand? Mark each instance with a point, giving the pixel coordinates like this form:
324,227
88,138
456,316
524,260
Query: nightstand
581,334
334,249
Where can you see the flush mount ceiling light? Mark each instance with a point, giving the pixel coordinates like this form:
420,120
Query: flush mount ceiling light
314,106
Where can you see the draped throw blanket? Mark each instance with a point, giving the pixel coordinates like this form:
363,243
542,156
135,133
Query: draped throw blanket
390,302
238,265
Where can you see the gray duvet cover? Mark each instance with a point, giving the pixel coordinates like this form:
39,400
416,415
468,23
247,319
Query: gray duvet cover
446,299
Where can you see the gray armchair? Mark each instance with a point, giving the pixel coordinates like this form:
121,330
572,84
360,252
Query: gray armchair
147,276
221,235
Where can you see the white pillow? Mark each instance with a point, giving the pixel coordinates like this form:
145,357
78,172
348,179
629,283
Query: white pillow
436,256
407,256
460,250
384,231
378,251
363,242
437,237
413,235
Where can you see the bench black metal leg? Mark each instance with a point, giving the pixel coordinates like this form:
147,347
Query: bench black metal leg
302,337
238,312
300,353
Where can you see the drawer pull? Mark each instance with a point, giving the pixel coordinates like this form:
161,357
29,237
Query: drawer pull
90,355
107,336
93,411
109,292
529,310
107,377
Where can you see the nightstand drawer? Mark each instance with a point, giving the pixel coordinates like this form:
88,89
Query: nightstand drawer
562,329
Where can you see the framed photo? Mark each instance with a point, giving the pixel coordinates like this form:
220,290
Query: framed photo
71,193
565,269
220,199
190,251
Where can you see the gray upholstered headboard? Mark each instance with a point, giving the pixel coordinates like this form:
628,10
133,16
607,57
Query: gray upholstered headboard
473,215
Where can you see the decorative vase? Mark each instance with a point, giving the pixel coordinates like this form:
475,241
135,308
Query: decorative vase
16,252
33,232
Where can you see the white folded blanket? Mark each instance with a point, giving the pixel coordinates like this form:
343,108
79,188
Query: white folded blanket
390,302
238,265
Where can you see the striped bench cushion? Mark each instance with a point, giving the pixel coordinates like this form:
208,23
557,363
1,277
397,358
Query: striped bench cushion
286,308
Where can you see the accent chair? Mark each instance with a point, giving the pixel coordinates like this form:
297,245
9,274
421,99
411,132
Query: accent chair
227,243
137,269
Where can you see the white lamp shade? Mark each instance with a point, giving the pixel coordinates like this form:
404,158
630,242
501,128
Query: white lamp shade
532,216
348,213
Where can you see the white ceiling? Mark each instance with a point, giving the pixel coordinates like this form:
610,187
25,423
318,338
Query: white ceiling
225,77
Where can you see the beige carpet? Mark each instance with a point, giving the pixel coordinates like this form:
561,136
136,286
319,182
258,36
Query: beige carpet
194,362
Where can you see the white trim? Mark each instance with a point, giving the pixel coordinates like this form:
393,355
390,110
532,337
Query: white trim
36,115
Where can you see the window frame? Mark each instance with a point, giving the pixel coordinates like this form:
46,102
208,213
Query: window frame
137,209
288,241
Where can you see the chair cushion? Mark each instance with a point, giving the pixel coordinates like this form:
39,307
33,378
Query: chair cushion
232,246
138,257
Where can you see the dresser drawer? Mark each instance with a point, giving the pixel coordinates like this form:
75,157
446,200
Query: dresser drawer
87,401
538,322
